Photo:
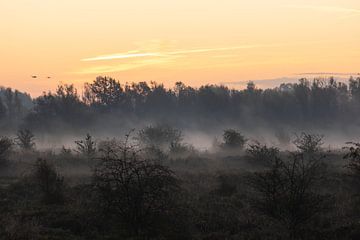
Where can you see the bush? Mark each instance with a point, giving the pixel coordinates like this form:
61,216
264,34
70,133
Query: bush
159,136
136,190
86,147
5,148
288,191
233,139
262,154
25,139
50,183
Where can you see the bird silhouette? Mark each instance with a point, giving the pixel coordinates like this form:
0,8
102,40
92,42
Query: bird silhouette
34,76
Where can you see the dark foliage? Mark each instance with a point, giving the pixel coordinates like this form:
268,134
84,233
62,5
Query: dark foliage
86,147
5,148
288,191
25,139
136,191
353,155
163,137
50,183
233,139
320,103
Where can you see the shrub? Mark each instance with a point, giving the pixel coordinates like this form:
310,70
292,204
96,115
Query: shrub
233,139
288,191
25,139
136,190
86,147
159,136
50,183
5,148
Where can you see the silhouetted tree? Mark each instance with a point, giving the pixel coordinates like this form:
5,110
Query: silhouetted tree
134,189
288,192
309,143
104,91
3,111
160,136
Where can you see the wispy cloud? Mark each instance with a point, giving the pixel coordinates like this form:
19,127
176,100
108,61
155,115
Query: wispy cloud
120,56
168,53
329,74
331,9
116,67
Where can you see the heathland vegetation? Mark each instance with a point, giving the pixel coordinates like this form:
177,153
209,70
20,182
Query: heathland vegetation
127,170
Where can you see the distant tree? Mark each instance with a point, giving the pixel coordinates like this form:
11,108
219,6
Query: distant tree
104,91
62,108
25,139
87,146
9,101
353,156
65,151
3,110
250,86
233,139
309,143
262,154
159,136
354,88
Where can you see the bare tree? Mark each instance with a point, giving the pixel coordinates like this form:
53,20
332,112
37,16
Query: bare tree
288,192
309,143
134,188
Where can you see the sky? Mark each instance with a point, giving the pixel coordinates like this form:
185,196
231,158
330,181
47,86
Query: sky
194,41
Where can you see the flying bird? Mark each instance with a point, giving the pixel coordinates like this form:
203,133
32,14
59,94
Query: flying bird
34,76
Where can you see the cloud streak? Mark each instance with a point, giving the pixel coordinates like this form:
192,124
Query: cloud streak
166,54
330,73
119,56
331,9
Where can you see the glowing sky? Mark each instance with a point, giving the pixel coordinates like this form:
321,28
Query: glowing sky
194,41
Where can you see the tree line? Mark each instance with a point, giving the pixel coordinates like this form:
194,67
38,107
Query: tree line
316,103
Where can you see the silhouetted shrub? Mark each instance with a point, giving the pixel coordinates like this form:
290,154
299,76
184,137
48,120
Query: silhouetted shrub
5,148
262,154
136,190
288,192
353,156
159,136
25,139
86,147
309,143
233,139
50,183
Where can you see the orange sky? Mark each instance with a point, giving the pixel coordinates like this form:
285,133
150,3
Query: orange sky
197,42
